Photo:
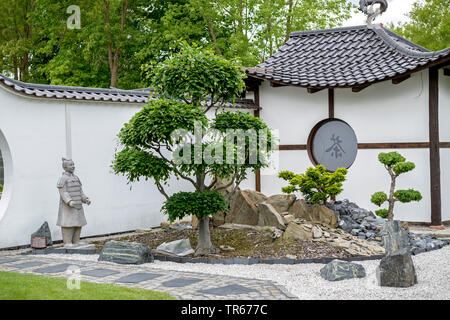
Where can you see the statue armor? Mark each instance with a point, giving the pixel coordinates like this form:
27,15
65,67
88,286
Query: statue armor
71,191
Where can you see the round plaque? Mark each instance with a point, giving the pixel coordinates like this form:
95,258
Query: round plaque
333,144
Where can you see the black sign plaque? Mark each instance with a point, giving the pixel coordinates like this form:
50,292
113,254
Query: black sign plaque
333,144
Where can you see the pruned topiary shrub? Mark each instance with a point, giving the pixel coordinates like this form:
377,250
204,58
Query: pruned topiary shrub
317,185
396,165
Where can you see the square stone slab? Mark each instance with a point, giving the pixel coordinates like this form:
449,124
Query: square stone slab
138,277
26,265
180,282
99,273
55,269
231,289
8,260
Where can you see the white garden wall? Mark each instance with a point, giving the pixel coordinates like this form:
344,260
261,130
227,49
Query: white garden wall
33,141
382,112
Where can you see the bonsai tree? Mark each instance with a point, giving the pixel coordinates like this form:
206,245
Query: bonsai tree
396,165
169,137
317,185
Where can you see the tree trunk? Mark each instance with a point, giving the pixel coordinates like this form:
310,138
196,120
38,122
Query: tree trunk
391,197
205,246
288,20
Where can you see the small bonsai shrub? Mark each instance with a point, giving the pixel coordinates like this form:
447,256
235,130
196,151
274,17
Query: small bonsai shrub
396,165
317,185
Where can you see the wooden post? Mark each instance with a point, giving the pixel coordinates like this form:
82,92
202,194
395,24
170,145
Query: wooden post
256,114
330,103
435,167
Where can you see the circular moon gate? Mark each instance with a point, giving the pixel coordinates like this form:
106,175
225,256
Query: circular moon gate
333,144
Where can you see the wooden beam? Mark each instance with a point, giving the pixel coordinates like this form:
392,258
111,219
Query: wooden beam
257,114
285,147
276,84
394,145
314,90
360,88
374,145
401,79
330,103
435,165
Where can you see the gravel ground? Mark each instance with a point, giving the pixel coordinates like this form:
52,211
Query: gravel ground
304,281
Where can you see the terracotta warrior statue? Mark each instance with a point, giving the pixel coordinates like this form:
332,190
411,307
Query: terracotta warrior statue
71,214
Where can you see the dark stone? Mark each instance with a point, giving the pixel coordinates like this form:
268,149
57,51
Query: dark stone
55,269
340,270
180,282
126,253
27,265
228,290
138,277
8,260
394,236
99,273
44,231
397,270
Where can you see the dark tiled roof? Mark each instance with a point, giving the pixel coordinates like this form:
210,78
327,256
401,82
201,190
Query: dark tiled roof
95,94
344,57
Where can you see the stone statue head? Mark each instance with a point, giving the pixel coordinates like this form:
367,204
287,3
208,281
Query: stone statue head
68,165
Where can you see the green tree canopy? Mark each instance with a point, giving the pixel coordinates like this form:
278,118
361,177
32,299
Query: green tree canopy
429,25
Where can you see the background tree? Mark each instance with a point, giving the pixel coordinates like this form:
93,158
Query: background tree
396,165
187,85
117,37
429,25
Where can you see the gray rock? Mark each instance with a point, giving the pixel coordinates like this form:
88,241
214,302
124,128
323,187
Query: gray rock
179,248
397,270
126,253
394,236
44,231
338,270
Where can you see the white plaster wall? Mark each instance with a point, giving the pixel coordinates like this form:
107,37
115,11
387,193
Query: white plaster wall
33,141
382,112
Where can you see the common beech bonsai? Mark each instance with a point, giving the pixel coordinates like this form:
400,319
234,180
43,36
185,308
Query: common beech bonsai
396,165
171,137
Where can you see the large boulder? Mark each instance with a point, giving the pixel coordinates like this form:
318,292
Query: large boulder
296,231
394,236
268,216
176,248
338,270
299,209
126,253
321,214
44,231
397,270
243,209
281,202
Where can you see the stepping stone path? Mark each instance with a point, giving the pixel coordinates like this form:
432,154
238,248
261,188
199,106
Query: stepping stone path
182,285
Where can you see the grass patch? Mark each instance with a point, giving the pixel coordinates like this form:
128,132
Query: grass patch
18,286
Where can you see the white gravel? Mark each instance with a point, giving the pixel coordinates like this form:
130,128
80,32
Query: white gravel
304,281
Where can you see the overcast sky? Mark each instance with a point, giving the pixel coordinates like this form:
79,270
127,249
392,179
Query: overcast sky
396,12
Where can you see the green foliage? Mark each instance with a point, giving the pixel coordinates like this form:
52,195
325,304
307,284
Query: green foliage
396,165
403,167
316,184
135,163
200,204
379,198
195,75
1,188
429,24
390,158
406,196
117,37
383,213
